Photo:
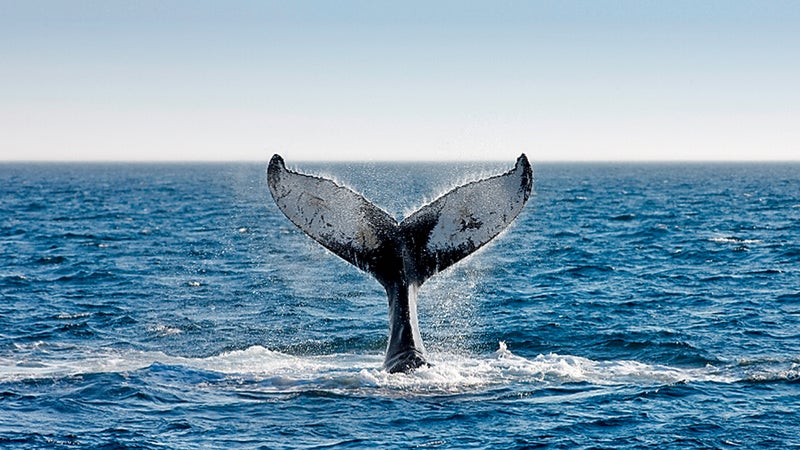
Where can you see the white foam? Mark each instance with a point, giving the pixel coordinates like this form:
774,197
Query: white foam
263,369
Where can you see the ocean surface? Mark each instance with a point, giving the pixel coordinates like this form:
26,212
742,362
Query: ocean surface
149,306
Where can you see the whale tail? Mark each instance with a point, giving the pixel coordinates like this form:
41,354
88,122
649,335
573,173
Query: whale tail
401,256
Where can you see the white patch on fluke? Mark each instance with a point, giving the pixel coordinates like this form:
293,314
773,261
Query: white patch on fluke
472,213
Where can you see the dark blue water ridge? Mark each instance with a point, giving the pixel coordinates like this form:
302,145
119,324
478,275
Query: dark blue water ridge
173,306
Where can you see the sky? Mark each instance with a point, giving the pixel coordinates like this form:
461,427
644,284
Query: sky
599,80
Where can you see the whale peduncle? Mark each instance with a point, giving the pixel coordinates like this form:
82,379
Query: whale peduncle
405,350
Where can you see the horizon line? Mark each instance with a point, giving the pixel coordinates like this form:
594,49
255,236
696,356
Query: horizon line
396,161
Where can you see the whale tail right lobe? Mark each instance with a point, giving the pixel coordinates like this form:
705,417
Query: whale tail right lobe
401,256
463,220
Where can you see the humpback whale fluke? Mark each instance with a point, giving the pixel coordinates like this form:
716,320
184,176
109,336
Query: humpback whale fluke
401,256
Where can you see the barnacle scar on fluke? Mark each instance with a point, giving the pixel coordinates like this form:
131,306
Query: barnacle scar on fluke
401,256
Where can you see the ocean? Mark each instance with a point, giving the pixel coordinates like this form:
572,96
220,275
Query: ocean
154,306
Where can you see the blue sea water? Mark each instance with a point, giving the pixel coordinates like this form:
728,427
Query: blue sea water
150,306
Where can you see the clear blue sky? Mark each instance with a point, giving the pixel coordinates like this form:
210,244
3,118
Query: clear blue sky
352,80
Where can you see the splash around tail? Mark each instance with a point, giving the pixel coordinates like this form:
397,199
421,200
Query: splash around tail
401,256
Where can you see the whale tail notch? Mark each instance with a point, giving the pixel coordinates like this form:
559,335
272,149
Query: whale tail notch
401,256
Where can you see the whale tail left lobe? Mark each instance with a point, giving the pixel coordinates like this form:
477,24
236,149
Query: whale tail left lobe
401,256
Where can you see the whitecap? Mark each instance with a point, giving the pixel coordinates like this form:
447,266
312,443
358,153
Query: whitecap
734,240
164,330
